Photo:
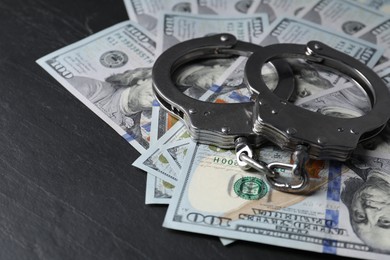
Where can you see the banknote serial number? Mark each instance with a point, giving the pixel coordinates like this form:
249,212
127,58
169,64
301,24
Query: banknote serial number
225,161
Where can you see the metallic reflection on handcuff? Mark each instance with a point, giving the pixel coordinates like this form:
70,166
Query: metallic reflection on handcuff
271,116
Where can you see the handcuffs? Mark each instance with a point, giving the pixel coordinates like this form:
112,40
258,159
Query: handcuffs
270,116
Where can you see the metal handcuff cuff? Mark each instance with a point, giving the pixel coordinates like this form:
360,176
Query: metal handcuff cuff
271,117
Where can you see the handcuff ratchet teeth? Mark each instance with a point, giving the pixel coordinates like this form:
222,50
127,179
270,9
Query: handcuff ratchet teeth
271,117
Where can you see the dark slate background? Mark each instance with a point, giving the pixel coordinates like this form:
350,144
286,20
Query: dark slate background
67,187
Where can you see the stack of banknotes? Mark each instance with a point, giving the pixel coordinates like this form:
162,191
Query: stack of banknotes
348,211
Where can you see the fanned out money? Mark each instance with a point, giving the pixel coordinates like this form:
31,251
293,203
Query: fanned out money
348,211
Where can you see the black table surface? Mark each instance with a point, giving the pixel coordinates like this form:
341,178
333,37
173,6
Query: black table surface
67,186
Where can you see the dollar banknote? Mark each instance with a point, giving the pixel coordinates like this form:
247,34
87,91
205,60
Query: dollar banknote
145,12
110,72
102,71
378,34
281,8
380,5
342,16
177,27
294,30
214,196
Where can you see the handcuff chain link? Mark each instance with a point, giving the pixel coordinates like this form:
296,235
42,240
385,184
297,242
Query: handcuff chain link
246,160
259,166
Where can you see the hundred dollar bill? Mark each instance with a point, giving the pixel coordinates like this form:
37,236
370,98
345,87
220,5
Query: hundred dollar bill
224,7
342,16
110,72
295,30
177,27
145,12
378,34
380,5
215,197
279,8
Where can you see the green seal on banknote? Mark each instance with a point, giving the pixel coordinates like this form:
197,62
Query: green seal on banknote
250,188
